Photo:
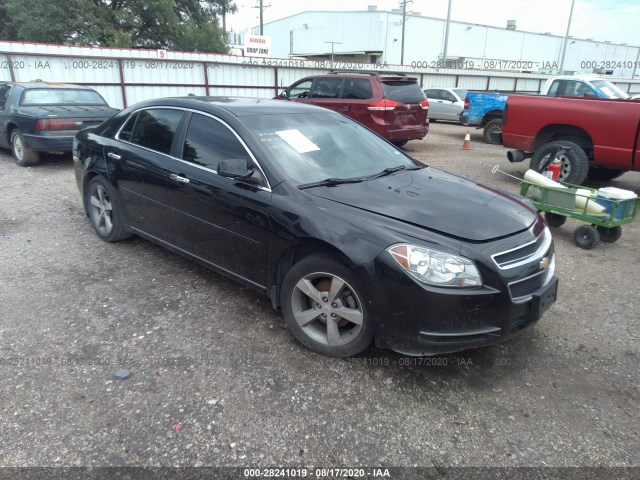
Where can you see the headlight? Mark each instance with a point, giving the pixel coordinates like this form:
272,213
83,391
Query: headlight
436,268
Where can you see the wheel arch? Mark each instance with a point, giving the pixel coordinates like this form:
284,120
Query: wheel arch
491,115
295,254
11,126
570,133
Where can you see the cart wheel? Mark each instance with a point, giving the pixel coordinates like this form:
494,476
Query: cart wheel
610,235
586,236
554,220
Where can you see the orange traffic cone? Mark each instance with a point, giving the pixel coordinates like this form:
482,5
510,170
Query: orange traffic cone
466,145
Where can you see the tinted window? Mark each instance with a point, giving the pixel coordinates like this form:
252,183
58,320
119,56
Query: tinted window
460,92
58,96
357,89
4,94
408,92
553,89
208,142
127,129
155,129
432,93
448,96
327,88
300,90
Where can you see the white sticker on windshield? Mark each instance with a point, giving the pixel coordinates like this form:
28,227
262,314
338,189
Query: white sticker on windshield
298,141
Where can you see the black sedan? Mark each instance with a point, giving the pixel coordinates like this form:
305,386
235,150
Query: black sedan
41,117
350,237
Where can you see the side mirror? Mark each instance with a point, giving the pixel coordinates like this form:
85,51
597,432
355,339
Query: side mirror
284,95
235,168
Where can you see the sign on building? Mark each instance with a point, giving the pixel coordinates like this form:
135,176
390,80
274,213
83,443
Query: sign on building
257,46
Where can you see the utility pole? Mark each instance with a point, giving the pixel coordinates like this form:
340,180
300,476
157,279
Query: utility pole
446,35
403,5
566,38
332,44
261,6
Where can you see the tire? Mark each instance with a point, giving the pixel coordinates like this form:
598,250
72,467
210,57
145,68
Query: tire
586,236
603,173
492,131
554,220
609,235
317,315
22,153
101,206
399,143
573,158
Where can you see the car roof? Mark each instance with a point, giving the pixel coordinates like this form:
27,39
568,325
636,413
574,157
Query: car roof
237,106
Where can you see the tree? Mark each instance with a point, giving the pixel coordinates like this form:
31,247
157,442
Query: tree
5,28
159,24
222,8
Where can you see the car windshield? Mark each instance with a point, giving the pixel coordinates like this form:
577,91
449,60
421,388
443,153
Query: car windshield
609,89
460,92
402,91
314,147
61,96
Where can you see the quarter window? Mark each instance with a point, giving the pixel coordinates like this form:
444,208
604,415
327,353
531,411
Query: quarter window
155,129
357,89
209,141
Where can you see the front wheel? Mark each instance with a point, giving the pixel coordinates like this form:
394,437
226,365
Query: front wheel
23,154
325,307
103,212
574,163
492,131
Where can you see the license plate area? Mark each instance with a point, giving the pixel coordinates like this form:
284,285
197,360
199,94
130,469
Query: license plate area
542,300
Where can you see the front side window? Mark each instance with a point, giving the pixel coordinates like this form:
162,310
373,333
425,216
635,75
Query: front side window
155,129
208,142
300,90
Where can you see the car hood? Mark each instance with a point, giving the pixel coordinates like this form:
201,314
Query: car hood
436,201
70,111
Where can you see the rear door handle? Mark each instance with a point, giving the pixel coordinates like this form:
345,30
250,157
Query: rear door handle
178,178
114,156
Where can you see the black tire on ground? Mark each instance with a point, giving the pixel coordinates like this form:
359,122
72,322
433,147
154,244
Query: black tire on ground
603,173
574,161
586,236
399,143
325,307
610,235
22,153
102,207
554,220
492,131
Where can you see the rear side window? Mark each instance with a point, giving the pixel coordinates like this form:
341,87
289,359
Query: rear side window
156,128
4,95
208,142
327,88
357,89
407,92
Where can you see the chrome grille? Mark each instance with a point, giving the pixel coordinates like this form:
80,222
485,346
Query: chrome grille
523,289
524,253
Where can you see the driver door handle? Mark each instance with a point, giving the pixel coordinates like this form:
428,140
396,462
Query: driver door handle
114,156
178,178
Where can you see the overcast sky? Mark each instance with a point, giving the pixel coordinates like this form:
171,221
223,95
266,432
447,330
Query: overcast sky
613,20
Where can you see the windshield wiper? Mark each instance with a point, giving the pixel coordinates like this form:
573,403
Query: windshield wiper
329,182
390,170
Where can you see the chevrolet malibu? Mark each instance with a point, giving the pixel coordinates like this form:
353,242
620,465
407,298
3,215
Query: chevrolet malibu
353,240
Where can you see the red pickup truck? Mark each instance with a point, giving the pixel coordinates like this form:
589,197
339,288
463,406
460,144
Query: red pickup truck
590,137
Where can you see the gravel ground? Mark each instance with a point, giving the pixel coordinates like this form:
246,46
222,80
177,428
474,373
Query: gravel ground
217,380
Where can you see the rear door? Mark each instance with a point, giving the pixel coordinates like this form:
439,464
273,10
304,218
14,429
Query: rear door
139,160
407,95
357,94
327,92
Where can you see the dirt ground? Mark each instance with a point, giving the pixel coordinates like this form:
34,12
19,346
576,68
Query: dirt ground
217,380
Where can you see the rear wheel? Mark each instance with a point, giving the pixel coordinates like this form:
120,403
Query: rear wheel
610,235
22,153
492,131
573,160
325,307
400,143
586,236
103,211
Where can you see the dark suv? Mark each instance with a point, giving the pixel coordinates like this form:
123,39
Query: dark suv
390,104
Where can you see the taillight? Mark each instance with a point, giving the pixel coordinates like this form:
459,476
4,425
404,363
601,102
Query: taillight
58,124
424,104
466,103
383,105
